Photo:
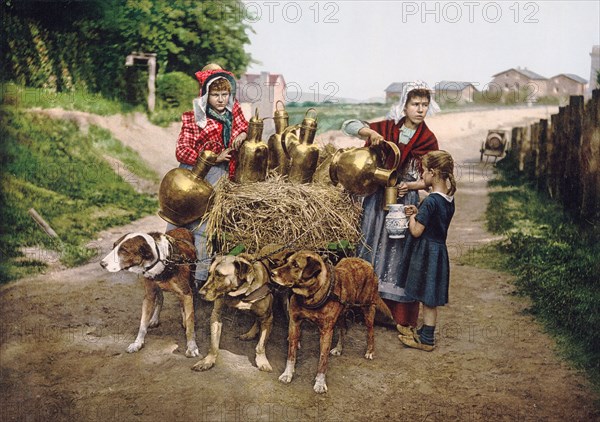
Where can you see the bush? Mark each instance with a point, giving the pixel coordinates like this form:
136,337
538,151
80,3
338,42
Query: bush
176,89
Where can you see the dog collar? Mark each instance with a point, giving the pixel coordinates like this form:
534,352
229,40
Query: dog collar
258,294
158,260
327,296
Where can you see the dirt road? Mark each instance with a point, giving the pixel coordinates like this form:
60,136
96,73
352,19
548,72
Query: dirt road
64,337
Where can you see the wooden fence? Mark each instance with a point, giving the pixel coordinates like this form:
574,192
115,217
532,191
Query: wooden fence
563,156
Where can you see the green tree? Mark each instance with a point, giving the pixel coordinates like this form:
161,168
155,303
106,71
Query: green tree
65,44
184,34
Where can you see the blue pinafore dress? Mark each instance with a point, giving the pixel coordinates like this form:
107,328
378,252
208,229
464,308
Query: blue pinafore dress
424,270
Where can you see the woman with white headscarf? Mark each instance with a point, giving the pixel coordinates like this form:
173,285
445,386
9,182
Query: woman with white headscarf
404,126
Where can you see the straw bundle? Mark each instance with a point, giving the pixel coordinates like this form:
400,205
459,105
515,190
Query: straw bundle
278,212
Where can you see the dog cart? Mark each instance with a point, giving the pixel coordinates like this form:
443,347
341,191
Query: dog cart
495,144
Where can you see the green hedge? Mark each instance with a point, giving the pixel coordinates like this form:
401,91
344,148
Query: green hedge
555,260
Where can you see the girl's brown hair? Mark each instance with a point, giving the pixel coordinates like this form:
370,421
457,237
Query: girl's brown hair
220,84
442,163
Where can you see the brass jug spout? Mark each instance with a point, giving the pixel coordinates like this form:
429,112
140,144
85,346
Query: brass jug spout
308,128
278,160
280,117
384,177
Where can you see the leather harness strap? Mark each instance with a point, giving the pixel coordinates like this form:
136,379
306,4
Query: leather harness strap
260,293
172,260
331,295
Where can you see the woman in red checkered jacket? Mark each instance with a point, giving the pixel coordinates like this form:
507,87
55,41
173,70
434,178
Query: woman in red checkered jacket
216,124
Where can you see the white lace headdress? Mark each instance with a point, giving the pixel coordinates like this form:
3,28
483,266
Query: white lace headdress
397,110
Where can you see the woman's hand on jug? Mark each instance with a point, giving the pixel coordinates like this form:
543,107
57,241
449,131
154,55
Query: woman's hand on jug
402,189
373,137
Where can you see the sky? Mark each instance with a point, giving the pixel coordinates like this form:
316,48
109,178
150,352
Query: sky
356,48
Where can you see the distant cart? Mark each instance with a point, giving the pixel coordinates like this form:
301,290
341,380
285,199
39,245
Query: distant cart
495,144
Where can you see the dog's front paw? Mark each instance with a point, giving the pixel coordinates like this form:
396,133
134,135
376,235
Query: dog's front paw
263,364
336,351
287,375
369,355
134,347
205,364
192,351
320,386
285,378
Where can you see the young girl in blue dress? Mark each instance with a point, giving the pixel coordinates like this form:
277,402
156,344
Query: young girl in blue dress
424,270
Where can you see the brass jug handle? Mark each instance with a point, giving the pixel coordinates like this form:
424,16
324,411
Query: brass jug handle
284,136
386,148
314,110
277,106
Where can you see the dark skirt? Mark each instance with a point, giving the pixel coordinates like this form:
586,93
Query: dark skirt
424,271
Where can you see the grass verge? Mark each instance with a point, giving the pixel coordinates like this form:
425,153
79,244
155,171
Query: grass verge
49,165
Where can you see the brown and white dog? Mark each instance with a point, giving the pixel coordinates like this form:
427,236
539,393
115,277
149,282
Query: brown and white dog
321,293
238,282
167,263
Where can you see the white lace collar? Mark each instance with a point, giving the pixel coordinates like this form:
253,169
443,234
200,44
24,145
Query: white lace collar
443,195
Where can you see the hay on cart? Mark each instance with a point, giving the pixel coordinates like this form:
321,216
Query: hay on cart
303,216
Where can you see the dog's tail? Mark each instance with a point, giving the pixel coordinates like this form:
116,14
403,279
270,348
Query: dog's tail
383,309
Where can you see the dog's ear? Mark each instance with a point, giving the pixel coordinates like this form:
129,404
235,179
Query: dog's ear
119,240
242,268
311,269
286,255
146,251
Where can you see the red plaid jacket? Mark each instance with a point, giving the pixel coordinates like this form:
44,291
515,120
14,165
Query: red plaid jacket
192,140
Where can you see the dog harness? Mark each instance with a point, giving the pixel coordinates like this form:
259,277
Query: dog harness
331,295
171,261
260,293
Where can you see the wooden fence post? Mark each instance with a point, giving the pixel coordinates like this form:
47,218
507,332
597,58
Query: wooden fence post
541,165
590,159
572,200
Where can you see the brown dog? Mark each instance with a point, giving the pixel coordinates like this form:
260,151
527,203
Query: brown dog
321,294
238,282
167,263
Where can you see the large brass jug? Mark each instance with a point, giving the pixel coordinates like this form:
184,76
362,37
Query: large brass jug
362,170
301,151
184,196
253,156
278,161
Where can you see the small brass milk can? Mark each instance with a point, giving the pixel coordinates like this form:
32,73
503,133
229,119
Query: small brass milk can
253,155
301,151
184,196
278,161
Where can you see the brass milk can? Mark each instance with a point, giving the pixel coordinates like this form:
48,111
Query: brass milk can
184,195
253,156
278,161
301,151
362,170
